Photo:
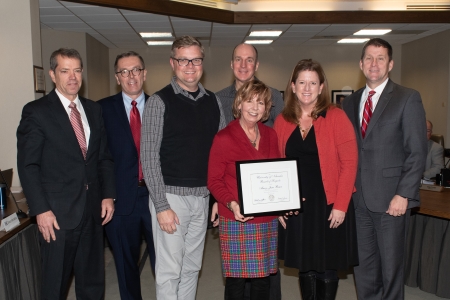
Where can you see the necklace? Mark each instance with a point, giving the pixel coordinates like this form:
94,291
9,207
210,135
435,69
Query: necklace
257,133
254,142
304,131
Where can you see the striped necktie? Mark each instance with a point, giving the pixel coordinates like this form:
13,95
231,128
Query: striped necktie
367,114
75,119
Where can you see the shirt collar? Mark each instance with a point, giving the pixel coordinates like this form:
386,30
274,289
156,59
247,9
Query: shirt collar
128,99
179,90
379,89
66,102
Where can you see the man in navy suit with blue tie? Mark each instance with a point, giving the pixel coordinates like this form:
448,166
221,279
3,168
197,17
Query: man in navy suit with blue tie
122,116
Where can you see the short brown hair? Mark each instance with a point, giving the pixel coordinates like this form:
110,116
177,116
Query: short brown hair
377,42
64,52
292,110
248,91
128,54
184,42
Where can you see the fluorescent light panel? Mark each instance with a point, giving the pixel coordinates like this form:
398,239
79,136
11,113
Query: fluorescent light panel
260,42
352,41
159,43
372,32
156,34
266,33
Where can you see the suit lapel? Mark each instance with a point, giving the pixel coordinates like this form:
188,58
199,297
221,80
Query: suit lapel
381,105
59,113
91,120
122,117
356,105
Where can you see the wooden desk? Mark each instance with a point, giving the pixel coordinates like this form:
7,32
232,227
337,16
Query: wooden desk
436,204
11,208
427,257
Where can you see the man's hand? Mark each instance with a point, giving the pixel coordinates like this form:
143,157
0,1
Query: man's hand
398,206
168,221
46,221
107,210
215,215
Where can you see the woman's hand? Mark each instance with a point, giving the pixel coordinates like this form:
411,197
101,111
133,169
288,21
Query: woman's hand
215,215
237,212
336,217
282,221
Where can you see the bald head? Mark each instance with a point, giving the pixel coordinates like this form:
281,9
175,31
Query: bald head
244,63
429,129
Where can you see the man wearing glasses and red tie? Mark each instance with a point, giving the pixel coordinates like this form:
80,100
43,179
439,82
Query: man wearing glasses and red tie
132,220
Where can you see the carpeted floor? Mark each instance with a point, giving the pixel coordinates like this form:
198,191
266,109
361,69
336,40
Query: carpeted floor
211,283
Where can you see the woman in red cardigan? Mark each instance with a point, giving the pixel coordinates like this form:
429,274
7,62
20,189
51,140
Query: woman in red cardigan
248,244
321,239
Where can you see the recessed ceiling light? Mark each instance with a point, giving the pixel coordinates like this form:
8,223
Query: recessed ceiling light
372,32
159,43
261,42
266,33
352,41
156,34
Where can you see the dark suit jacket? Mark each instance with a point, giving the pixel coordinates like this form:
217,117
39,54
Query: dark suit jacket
123,149
52,170
392,155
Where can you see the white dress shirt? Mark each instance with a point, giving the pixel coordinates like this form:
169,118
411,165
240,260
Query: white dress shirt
66,102
378,90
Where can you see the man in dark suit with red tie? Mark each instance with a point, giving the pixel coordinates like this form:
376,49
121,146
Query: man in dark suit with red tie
132,220
389,122
67,176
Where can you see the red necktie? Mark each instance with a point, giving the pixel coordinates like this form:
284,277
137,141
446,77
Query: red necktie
75,119
135,124
367,114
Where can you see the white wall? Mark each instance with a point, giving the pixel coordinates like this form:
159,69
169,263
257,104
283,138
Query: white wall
20,50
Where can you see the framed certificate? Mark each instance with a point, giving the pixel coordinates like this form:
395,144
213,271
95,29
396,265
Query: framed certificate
266,186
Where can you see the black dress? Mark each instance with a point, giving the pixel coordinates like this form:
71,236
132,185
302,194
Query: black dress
308,243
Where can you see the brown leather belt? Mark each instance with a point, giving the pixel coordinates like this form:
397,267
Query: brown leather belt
141,183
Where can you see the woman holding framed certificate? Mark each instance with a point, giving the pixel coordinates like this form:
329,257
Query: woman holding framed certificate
321,239
248,243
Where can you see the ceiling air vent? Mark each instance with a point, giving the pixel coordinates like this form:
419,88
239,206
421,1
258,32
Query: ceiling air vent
428,7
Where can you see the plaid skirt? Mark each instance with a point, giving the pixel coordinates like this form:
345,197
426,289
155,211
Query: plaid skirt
249,250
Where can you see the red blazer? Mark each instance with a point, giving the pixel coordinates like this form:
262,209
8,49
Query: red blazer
230,145
338,153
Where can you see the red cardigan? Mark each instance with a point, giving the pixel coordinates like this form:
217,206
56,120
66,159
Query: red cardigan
230,145
338,153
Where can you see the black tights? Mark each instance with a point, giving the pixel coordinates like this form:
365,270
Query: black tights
234,288
328,274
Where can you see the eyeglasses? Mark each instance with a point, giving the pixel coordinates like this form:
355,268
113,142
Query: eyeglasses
184,61
125,73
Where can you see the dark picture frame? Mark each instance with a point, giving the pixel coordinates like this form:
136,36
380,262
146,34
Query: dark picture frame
337,96
39,79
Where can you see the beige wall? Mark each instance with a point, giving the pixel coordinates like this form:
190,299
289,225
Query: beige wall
426,68
20,50
97,68
340,63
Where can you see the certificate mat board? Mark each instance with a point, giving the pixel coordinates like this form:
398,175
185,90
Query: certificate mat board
268,185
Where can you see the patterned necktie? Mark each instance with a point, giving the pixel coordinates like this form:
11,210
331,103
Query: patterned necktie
367,114
135,124
75,119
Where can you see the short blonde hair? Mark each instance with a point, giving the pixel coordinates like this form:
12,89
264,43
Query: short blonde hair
184,42
249,90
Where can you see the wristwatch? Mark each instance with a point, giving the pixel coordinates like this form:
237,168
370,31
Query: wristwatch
229,205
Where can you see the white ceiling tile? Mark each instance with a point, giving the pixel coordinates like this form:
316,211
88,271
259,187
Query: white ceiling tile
54,11
143,17
308,27
110,25
49,3
129,31
102,18
281,27
62,19
92,10
63,26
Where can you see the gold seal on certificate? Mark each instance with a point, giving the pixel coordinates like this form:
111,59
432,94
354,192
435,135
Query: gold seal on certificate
266,186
